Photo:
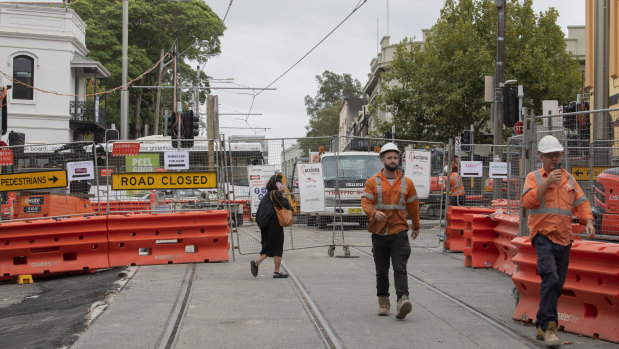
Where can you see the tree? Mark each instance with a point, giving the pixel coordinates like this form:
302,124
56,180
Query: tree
323,109
153,25
435,89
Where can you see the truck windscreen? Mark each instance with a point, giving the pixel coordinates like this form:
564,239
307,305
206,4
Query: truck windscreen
351,167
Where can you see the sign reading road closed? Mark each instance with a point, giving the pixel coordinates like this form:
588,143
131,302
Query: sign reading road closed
164,180
33,180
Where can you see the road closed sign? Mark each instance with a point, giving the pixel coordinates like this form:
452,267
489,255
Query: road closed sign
33,180
164,180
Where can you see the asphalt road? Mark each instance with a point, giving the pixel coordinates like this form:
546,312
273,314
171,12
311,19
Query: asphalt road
52,312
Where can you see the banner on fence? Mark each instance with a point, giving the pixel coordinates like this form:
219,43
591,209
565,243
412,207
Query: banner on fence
258,176
471,168
417,168
311,187
498,170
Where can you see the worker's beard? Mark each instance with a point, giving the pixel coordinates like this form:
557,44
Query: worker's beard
391,167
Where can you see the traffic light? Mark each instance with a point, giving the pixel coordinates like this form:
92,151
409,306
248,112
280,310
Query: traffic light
4,92
187,129
111,135
465,137
17,138
510,106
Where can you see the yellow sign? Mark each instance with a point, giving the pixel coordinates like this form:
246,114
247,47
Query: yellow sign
164,180
33,180
582,173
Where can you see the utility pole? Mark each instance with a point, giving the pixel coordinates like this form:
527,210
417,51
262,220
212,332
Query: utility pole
124,93
212,127
602,130
498,90
158,102
196,96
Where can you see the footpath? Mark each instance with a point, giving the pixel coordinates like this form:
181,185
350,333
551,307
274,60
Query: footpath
225,307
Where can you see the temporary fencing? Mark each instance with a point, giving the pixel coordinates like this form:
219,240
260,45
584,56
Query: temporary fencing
591,157
589,302
327,207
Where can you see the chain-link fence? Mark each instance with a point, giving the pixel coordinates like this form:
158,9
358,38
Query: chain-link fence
49,181
324,180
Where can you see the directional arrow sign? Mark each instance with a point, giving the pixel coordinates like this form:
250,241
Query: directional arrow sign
33,180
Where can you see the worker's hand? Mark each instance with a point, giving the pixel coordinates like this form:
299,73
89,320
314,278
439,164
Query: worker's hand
415,233
589,229
554,176
380,216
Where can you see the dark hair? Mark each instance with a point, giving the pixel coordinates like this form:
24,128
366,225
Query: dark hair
274,179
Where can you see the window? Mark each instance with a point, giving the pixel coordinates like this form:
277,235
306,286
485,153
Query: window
23,70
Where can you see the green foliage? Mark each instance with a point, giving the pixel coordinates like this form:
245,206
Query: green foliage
153,25
436,89
323,109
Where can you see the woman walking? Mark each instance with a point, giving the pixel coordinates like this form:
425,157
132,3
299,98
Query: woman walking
271,232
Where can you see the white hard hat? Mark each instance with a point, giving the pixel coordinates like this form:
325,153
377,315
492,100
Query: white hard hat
389,147
445,169
549,144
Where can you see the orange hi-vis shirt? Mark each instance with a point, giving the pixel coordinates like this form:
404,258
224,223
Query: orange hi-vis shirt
392,199
456,186
552,214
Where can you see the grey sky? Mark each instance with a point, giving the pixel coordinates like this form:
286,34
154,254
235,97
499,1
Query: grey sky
265,37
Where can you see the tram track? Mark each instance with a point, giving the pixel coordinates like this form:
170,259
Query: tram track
496,323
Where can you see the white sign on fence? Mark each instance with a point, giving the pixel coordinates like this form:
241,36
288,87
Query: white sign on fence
311,187
418,169
258,177
80,170
176,160
471,168
498,169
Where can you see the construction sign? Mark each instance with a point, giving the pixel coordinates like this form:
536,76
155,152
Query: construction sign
164,180
33,180
582,173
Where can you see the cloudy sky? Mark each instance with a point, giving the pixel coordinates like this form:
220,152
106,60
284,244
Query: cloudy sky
265,38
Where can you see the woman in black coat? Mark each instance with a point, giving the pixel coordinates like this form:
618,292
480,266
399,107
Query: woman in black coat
271,233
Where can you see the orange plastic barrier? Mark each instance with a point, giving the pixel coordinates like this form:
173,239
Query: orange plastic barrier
50,246
514,205
589,302
166,238
49,205
454,232
121,206
506,230
479,235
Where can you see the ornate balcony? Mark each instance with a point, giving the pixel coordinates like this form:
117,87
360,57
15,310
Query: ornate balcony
83,115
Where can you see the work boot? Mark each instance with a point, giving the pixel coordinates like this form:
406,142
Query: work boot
550,337
383,306
404,307
539,335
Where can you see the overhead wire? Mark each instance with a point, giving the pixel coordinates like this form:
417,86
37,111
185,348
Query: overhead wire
357,7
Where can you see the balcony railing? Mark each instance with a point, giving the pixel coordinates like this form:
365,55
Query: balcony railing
84,111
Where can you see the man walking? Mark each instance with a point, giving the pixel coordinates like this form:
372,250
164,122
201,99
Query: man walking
386,199
552,197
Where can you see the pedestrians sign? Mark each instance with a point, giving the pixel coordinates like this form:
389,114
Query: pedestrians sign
33,180
163,180
582,173
518,127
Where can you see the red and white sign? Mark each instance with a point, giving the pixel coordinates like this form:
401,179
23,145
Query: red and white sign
6,157
106,172
518,127
123,149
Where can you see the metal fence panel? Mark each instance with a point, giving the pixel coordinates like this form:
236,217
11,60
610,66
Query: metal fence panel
590,139
49,181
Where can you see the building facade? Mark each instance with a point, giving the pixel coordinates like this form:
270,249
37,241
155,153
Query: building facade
349,111
45,48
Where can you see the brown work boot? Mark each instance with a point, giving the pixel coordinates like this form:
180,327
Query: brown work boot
404,307
383,306
550,337
539,335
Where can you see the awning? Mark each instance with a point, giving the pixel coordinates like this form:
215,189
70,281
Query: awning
89,66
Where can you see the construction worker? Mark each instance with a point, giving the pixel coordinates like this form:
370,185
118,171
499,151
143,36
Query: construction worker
456,186
552,197
386,199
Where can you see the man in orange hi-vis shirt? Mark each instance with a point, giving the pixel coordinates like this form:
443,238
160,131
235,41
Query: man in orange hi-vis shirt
552,197
386,199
